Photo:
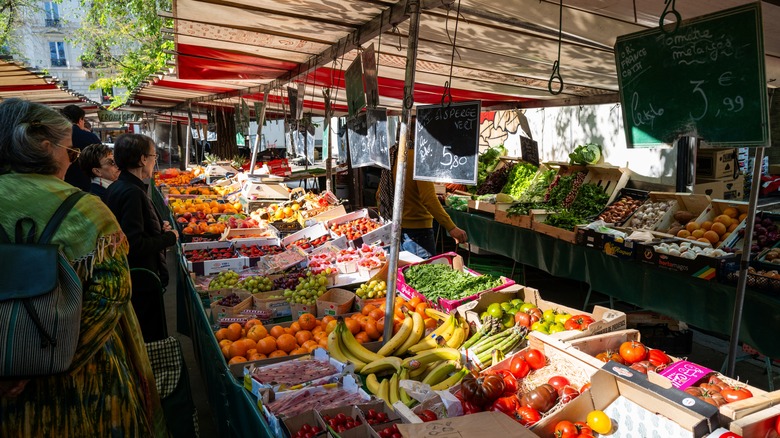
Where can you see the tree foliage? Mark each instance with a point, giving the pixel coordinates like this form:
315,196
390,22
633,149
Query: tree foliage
11,12
124,41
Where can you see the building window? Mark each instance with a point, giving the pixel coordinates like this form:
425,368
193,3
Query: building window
106,94
52,14
57,53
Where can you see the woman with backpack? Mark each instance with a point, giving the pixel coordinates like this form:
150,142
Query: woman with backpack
104,386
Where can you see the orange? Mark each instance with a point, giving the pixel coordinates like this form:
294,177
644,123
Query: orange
367,309
712,236
731,212
324,343
380,324
289,331
299,350
257,332
303,336
719,228
362,337
742,217
240,347
251,323
706,225
251,352
684,234
310,345
327,319
257,357
331,326
703,239
430,324
221,334
277,331
420,308
236,359
725,220
286,342
377,314
225,342
266,345
691,226
234,331
414,302
277,353
295,327
226,351
353,326
319,328
371,331
320,335
733,227
698,233
307,321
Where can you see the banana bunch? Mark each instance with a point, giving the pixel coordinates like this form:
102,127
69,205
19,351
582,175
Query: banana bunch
343,347
451,333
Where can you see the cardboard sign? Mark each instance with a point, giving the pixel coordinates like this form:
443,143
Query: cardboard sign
356,94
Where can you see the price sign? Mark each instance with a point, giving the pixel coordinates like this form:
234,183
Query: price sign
356,95
447,143
368,143
706,79
529,150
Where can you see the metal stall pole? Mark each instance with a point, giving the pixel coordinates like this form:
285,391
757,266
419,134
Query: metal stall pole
260,122
739,300
189,137
170,141
326,140
413,8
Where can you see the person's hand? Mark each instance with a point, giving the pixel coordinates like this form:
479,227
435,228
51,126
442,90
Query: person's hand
12,388
175,232
459,235
167,226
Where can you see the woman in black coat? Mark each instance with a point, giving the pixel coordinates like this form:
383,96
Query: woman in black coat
135,155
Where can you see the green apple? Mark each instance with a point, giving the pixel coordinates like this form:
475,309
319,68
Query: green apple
548,315
541,327
556,327
562,318
508,320
495,310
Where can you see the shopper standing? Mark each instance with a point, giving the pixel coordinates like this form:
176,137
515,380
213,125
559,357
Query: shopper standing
97,162
81,138
109,389
135,155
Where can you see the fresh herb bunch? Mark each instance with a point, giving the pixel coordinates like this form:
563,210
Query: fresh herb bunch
565,219
441,281
523,209
487,162
591,199
560,190
575,188
519,179
538,187
496,180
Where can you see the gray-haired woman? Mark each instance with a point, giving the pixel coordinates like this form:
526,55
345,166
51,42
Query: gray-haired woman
109,389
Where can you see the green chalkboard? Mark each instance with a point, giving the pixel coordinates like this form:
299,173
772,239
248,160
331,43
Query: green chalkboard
705,79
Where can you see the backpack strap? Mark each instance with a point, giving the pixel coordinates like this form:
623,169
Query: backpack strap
58,216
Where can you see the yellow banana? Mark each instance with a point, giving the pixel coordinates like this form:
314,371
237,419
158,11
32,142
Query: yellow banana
334,349
445,325
426,357
417,374
447,334
372,384
359,364
436,314
418,331
451,380
393,389
440,373
402,394
398,339
383,392
384,364
430,341
457,339
356,348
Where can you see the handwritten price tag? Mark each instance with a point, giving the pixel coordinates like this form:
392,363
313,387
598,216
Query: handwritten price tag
683,374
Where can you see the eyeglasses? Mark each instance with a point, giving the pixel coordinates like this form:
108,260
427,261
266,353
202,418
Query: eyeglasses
73,154
109,162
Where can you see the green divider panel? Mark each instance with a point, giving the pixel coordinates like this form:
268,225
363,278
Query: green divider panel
705,304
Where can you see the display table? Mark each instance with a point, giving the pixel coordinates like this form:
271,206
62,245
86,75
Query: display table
705,304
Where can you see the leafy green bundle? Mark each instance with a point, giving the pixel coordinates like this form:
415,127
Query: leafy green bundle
436,280
519,179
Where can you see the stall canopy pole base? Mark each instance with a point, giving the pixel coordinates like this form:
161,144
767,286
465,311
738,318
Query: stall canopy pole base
400,171
739,300
260,122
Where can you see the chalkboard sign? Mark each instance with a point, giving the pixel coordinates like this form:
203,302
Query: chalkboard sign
447,143
368,139
529,150
356,95
706,79
368,57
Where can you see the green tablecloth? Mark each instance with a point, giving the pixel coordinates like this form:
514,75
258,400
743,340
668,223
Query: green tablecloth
704,304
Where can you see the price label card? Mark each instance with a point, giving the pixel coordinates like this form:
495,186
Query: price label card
705,79
447,143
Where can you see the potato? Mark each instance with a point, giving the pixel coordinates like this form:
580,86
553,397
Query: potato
683,216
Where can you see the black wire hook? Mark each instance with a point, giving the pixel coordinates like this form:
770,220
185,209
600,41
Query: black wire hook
556,75
446,95
398,32
666,12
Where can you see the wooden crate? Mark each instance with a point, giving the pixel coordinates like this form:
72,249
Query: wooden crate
522,221
694,203
558,233
609,178
482,207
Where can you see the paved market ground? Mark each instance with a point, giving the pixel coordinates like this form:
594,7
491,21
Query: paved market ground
707,349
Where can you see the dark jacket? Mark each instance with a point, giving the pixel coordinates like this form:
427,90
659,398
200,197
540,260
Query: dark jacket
75,176
98,190
128,200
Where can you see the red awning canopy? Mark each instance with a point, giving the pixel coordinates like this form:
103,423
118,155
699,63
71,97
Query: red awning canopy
18,81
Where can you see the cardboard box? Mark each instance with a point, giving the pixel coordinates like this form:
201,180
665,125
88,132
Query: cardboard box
589,237
758,424
359,214
637,407
209,267
724,188
260,242
606,320
482,424
312,233
219,311
381,236
272,301
456,262
716,163
293,424
695,203
703,267
308,218
243,234
335,302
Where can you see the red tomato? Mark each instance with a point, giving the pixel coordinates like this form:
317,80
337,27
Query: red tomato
527,416
578,322
658,358
519,367
535,358
568,393
428,415
559,382
469,408
643,366
777,424
523,319
633,351
585,387
510,382
507,405
565,429
735,393
583,428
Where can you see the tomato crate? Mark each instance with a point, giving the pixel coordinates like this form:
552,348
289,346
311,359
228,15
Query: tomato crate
456,263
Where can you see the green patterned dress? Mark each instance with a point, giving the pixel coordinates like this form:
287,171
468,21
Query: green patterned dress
110,390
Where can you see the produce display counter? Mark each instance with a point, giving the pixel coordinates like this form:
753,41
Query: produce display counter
704,304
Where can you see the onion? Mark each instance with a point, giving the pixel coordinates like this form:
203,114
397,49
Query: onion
767,222
760,231
772,227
